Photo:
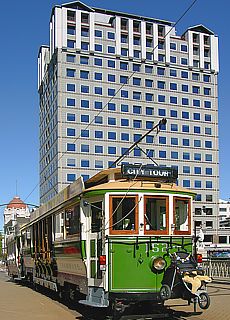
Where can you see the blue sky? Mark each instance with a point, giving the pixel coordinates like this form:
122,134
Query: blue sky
24,27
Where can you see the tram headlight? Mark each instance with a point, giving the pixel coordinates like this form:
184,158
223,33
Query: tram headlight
158,263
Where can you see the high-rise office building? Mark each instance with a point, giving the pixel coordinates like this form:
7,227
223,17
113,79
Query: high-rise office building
106,78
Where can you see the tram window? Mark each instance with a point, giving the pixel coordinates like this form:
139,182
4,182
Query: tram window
72,220
58,226
182,215
156,214
124,213
96,219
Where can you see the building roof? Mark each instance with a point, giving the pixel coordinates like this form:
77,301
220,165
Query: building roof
201,28
16,203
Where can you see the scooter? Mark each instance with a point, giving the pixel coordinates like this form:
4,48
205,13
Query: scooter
184,279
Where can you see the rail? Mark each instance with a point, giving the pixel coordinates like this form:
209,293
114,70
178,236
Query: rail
217,268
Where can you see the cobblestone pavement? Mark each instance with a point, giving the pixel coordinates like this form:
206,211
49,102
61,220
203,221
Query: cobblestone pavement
219,308
20,302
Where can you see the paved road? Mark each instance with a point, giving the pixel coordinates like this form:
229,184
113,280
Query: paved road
20,302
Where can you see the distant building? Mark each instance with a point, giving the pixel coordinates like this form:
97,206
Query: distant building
15,215
107,77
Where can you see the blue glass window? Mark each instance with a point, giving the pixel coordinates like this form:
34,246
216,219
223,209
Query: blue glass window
149,139
196,116
71,44
98,76
173,73
111,106
184,87
207,91
162,112
186,169
174,141
206,78
149,111
124,52
173,86
98,134
136,137
84,60
208,131
173,100
197,184
85,118
184,74
196,129
136,67
124,122
137,152
112,135
196,103
149,124
98,47
70,87
98,149
124,108
148,83
124,93
197,156
184,48
173,113
84,89
84,74
148,97
197,143
174,127
137,81
85,164
137,123
111,35
137,54
162,140
70,58
172,59
174,155
185,142
123,79
84,148
70,117
208,144
208,117
71,30
97,61
71,177
84,133
209,184
97,104
70,132
70,147
84,32
70,73
161,57
124,38
186,156
111,121
185,115
85,177
195,76
71,162
208,171
111,63
207,104
186,183
112,150
111,49
111,78
124,65
195,89
85,46
197,170
149,56
160,71
161,98
111,92
136,95
71,102
185,128
184,61
98,119
137,109
173,45
98,90
84,103
148,69
208,157
162,154
124,136
161,84
185,101
198,197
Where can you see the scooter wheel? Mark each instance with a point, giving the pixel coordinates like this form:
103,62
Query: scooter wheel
165,292
204,300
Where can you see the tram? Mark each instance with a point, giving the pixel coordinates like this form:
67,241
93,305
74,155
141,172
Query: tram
109,239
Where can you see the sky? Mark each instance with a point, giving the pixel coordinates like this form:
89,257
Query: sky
24,28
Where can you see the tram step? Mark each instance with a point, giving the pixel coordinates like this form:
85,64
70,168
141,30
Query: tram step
92,304
19,278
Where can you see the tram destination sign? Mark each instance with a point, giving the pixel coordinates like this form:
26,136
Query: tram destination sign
149,171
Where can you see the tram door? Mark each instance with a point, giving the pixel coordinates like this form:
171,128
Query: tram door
95,242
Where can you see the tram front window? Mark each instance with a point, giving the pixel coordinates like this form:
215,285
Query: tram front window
181,214
123,213
156,214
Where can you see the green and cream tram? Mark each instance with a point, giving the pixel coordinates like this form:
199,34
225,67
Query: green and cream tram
111,237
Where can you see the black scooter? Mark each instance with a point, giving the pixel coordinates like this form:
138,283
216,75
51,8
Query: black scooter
183,279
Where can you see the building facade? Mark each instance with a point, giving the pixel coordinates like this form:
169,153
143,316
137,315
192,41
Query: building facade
106,78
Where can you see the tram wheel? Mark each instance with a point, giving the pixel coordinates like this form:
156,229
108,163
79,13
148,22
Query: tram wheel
204,300
165,292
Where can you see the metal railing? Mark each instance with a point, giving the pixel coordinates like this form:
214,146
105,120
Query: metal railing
217,268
